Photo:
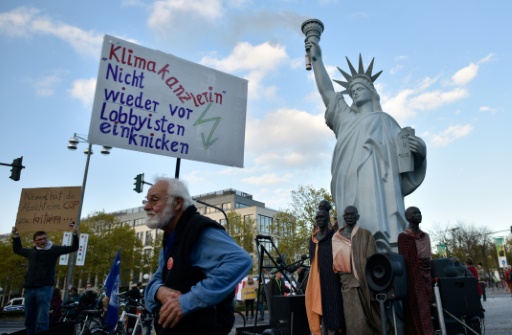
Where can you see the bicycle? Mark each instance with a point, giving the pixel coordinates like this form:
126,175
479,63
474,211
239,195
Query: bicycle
143,324
89,322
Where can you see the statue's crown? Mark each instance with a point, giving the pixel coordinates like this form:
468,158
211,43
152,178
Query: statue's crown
357,75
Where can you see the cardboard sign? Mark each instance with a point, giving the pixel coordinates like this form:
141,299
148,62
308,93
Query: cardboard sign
154,102
48,209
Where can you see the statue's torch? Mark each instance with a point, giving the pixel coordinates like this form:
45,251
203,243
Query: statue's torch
312,28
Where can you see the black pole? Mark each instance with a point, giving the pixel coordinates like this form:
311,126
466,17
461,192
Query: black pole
177,173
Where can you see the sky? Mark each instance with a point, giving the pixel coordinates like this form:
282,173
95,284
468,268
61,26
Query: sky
446,73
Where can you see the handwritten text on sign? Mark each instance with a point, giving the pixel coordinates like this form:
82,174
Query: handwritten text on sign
48,209
154,102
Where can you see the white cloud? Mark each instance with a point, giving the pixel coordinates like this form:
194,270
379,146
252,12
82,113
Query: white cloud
168,11
268,179
254,63
17,21
27,21
468,73
83,90
450,134
406,103
288,138
487,109
45,86
465,75
435,99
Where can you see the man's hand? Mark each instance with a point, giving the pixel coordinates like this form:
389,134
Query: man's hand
170,313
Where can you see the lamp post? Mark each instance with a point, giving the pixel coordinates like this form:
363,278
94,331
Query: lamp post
73,145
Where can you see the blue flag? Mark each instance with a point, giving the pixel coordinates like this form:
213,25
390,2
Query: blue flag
112,291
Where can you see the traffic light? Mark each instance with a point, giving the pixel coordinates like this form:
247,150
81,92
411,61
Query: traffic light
17,165
139,183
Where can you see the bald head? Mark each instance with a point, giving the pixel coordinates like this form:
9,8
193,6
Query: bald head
413,215
351,215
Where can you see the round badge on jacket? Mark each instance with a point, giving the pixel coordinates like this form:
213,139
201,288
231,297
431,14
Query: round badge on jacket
170,262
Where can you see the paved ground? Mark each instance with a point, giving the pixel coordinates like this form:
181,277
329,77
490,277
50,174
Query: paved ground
498,316
497,321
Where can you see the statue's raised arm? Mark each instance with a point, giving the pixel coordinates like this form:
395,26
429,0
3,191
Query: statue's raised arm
323,82
313,28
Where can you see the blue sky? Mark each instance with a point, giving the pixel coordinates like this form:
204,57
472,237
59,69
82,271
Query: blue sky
446,73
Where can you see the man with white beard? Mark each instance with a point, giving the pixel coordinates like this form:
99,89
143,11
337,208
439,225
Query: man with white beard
199,265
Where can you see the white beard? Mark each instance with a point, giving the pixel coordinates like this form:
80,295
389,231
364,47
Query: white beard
159,221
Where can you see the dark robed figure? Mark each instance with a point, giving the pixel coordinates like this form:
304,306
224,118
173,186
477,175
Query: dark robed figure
414,245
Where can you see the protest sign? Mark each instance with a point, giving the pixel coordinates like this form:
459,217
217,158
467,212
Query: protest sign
154,102
48,209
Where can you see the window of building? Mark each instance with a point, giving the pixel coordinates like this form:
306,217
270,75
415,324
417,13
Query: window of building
239,205
149,238
147,255
126,223
210,210
223,222
264,224
140,236
226,206
139,222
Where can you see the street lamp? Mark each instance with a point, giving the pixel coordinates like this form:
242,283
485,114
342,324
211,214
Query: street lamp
73,145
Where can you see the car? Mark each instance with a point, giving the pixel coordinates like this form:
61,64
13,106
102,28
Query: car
15,304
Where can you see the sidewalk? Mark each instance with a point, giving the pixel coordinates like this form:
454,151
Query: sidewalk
498,318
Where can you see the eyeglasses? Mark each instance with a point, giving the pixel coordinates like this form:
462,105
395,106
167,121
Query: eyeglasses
154,200
41,239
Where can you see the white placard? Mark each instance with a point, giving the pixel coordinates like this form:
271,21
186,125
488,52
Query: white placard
66,240
82,249
154,102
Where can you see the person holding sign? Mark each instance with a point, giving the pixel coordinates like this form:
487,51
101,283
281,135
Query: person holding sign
40,277
249,293
365,166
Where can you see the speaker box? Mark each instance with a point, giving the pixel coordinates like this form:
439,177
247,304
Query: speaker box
385,273
442,267
459,296
288,314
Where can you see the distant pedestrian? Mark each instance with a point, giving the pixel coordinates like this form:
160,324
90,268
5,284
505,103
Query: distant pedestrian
508,278
483,279
474,271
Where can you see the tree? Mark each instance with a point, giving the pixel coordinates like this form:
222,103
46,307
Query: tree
464,240
14,268
241,230
106,236
294,225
